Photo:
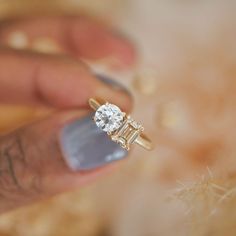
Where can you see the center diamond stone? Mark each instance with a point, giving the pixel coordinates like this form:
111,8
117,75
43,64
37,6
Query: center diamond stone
109,117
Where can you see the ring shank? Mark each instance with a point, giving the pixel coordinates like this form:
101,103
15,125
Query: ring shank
144,141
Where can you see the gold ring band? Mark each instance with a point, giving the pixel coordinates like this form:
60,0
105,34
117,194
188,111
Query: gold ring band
120,127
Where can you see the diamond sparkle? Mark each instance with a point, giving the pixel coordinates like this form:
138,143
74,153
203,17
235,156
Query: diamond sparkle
109,117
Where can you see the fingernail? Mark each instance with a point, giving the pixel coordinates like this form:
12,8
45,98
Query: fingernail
86,147
113,84
121,35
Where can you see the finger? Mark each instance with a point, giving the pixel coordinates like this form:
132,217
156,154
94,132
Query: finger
57,154
36,79
80,36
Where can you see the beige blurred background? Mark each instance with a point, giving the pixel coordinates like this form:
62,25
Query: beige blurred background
185,92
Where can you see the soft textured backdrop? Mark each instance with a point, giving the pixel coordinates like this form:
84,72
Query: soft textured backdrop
185,92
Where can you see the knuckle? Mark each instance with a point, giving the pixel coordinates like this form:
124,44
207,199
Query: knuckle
14,180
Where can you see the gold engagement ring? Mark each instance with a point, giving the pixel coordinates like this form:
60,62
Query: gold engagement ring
120,127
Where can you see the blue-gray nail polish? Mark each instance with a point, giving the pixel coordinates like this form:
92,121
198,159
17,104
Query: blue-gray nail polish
113,83
86,147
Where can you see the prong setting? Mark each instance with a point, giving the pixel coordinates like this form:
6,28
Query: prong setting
108,117
127,133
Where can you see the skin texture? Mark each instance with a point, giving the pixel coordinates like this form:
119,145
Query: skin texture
81,37
31,161
50,80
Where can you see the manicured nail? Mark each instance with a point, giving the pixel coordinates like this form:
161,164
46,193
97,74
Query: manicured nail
113,83
123,36
86,147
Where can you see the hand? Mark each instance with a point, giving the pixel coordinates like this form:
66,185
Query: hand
64,150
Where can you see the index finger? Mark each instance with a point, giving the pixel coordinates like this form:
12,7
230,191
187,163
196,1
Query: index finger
61,82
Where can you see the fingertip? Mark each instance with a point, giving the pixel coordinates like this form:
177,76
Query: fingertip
69,85
123,51
87,35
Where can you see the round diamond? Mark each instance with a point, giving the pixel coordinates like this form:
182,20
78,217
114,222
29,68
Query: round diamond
109,117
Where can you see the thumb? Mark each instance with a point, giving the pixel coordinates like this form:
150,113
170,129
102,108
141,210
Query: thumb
54,155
